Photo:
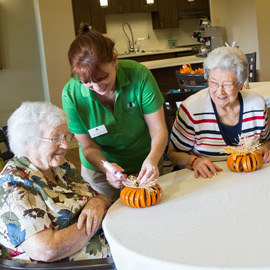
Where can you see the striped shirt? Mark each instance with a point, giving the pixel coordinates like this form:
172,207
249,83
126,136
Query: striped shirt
197,130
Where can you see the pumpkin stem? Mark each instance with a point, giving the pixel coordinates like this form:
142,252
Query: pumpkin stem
131,181
246,145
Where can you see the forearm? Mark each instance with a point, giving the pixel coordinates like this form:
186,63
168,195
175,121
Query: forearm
49,245
91,151
106,200
158,144
181,159
94,157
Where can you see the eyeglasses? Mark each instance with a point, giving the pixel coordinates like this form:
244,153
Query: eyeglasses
59,140
226,86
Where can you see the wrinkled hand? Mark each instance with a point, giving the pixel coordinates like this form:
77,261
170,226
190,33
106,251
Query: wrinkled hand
114,181
205,168
92,215
265,153
148,172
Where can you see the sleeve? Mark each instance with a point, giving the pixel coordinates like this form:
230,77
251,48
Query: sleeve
75,124
23,212
152,98
183,133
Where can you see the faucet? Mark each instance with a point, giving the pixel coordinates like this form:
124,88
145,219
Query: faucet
131,42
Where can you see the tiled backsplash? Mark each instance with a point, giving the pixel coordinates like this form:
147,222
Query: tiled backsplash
141,24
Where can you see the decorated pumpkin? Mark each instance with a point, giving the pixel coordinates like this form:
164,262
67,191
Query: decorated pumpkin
139,195
245,157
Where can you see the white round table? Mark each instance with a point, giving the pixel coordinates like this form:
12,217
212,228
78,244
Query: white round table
217,223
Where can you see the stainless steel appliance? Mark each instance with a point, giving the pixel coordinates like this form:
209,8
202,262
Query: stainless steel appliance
210,38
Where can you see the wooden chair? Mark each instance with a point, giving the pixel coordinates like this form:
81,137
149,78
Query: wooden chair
190,82
251,57
170,109
95,264
5,152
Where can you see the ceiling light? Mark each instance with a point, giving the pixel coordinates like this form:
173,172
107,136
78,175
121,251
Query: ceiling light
149,2
103,3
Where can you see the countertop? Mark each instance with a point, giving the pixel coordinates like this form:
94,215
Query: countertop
152,52
170,62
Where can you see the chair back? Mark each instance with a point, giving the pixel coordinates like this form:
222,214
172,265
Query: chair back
190,82
251,57
171,106
93,264
5,152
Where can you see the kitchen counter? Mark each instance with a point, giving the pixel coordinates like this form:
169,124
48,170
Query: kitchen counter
154,52
164,69
171,62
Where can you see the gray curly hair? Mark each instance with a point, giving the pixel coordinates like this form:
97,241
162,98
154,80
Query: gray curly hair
27,123
227,59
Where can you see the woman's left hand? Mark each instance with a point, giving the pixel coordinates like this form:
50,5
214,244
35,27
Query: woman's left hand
92,215
265,153
149,172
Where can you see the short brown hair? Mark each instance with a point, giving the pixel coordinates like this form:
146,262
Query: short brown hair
87,52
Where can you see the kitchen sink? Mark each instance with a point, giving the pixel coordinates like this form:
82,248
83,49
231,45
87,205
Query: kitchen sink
151,51
141,52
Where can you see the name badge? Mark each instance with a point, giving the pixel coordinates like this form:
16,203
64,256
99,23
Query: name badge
97,131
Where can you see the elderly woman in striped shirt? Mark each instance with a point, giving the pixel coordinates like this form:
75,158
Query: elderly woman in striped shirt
213,118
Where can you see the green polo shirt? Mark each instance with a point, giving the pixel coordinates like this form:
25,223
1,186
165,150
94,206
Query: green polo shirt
127,141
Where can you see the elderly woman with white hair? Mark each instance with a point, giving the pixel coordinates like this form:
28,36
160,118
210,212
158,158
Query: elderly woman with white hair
48,212
215,117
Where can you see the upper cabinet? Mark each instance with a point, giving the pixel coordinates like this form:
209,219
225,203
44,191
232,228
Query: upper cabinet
195,4
88,11
193,8
167,15
128,6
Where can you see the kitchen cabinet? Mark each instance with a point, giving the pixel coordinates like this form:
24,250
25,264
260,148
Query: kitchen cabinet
89,11
167,15
148,7
193,8
195,4
127,6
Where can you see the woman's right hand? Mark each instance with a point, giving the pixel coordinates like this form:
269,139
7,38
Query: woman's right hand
114,181
205,168
92,215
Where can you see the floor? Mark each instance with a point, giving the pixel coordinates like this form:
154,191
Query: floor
73,156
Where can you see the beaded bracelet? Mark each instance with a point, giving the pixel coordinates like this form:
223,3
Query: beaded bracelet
193,161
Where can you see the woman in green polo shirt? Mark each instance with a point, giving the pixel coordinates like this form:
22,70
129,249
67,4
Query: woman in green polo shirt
116,113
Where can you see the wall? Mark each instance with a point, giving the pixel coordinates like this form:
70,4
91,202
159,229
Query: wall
239,21
20,78
56,24
141,24
262,14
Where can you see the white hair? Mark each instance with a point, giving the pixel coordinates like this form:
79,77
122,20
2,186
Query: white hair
227,59
27,123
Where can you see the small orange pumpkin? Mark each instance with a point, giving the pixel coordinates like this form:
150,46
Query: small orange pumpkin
245,157
245,162
139,197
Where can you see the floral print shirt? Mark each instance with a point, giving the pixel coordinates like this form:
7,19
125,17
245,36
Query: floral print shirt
29,203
